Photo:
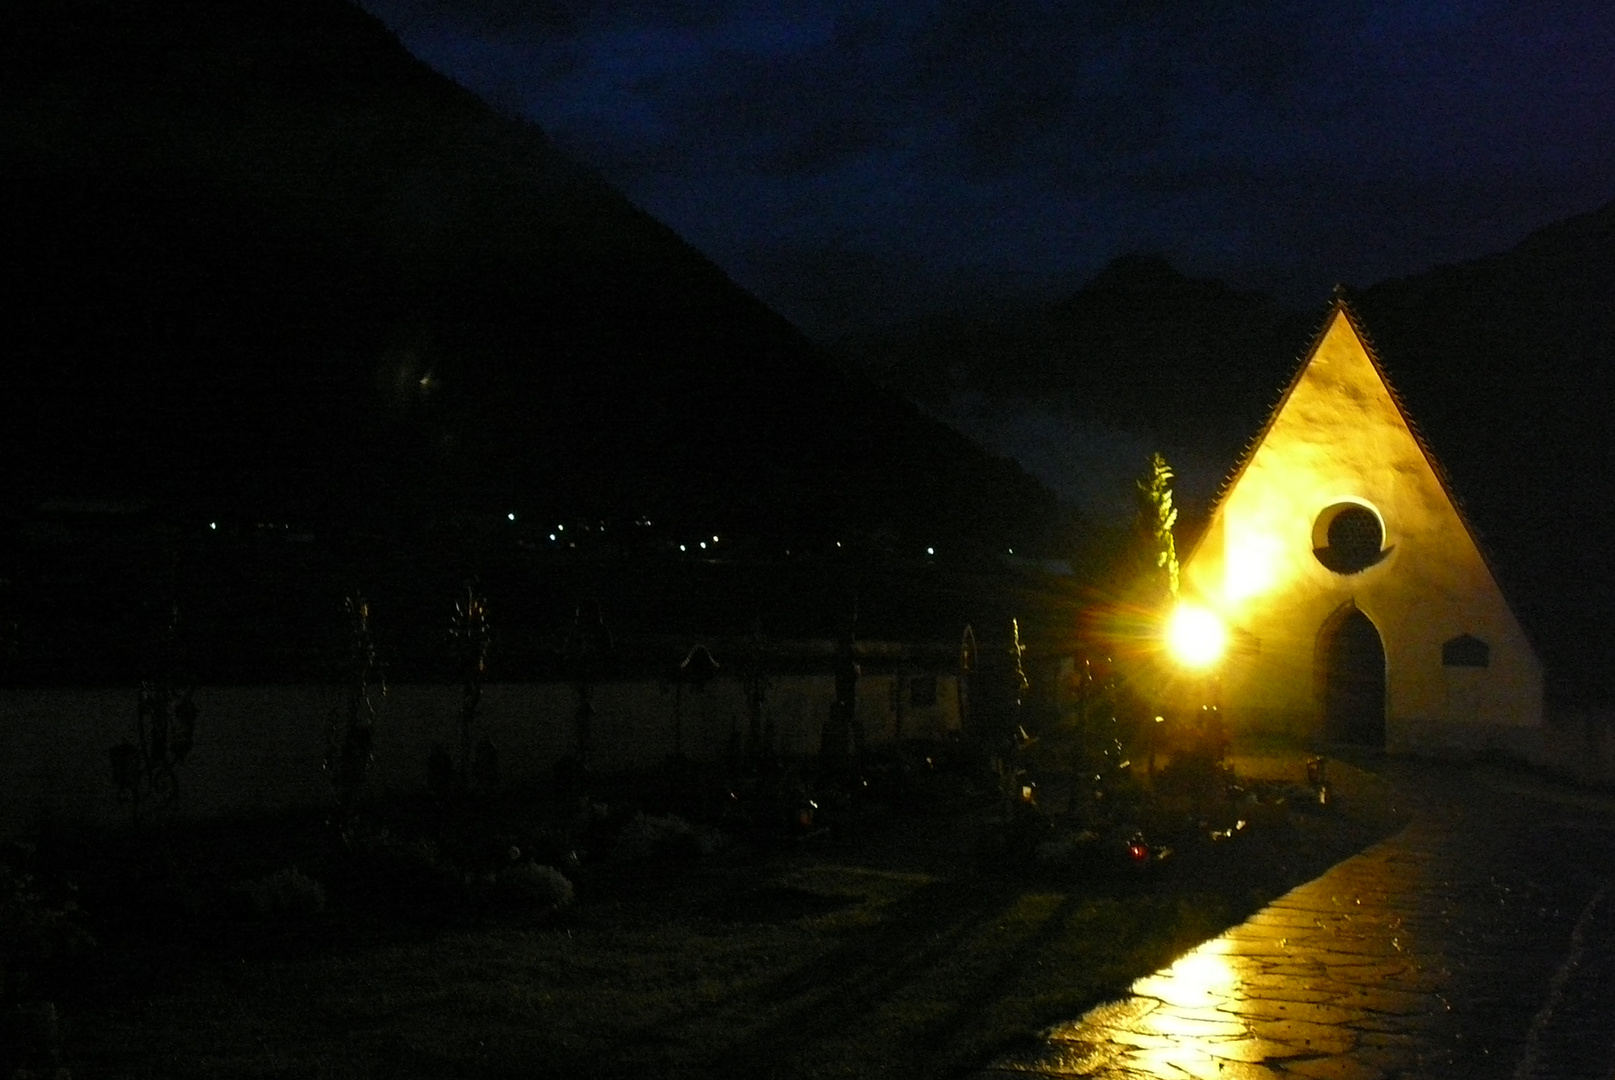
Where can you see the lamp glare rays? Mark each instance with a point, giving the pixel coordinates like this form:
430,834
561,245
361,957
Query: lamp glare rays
1195,636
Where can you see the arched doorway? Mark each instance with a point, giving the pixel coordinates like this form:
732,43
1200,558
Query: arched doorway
1353,681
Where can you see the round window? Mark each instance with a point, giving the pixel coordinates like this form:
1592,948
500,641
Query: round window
1348,537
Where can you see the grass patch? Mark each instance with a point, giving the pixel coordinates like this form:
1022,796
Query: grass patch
904,943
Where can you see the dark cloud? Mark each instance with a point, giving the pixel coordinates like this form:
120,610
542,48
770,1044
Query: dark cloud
970,147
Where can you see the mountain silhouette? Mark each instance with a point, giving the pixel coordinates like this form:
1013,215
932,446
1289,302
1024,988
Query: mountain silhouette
261,261
1141,359
1508,365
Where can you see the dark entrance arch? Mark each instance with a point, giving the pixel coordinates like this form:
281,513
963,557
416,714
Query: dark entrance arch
1353,680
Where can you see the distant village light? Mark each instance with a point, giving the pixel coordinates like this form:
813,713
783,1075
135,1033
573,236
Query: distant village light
511,516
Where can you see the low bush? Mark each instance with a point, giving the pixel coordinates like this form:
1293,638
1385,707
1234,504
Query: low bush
539,884
669,836
286,894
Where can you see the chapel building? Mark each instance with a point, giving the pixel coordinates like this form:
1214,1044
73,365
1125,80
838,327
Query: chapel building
1361,607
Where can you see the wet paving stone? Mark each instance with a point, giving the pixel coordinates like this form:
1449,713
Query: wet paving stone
1312,1013
1252,1049
1337,1068
1473,944
1193,1028
1305,1038
1301,994
1395,1002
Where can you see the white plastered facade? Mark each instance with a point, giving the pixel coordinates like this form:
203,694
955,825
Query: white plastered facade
1339,436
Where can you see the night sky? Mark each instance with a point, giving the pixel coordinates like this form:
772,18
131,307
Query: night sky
858,164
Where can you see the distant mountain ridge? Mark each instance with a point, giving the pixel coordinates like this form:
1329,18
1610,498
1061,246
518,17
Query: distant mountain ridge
1140,342
260,260
1140,359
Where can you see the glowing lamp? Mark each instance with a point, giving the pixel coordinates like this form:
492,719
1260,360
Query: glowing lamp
1195,636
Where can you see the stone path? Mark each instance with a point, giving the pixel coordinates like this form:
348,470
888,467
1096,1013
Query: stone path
1478,942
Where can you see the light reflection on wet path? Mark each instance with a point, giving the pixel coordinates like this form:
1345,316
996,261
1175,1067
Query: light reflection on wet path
1462,947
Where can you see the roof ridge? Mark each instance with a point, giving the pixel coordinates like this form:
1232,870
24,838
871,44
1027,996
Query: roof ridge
1277,407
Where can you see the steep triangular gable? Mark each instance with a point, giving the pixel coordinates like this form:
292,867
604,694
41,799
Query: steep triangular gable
1338,310
1339,507
1341,319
